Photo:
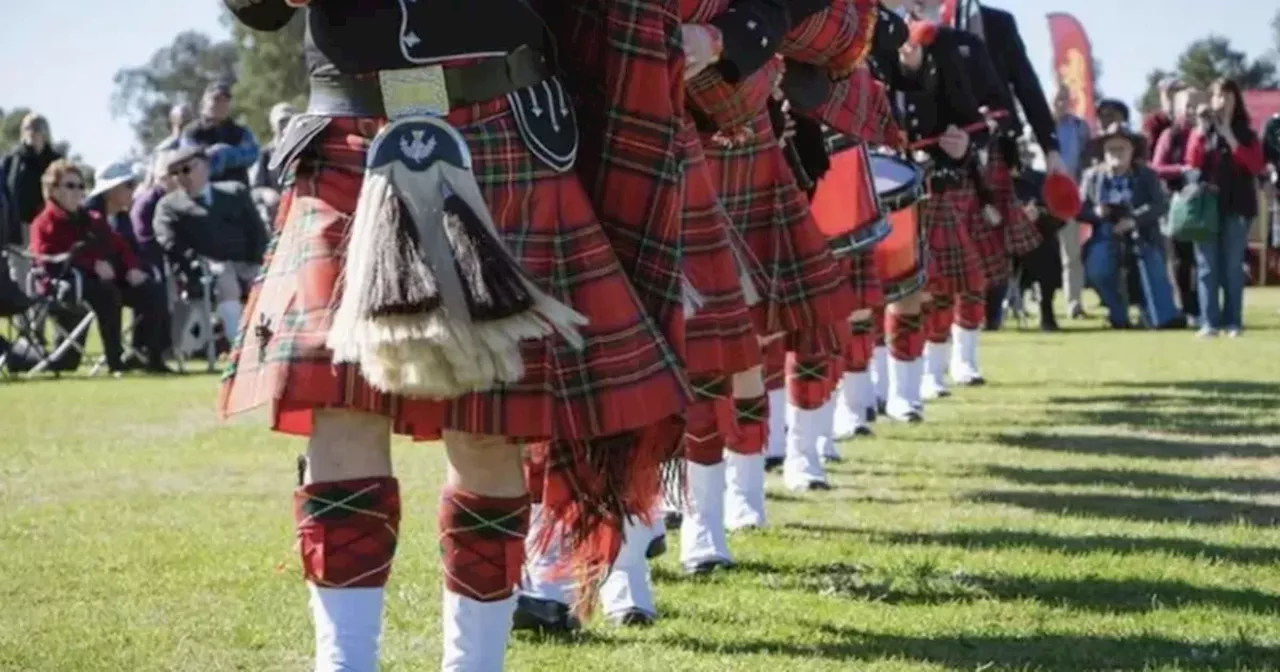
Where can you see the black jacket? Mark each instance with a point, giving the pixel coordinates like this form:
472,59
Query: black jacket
22,170
1009,56
227,229
945,97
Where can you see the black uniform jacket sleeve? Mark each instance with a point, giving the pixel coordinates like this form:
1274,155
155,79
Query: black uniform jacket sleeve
1007,48
752,32
265,15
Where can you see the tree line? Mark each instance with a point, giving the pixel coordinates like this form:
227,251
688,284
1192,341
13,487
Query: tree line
1213,57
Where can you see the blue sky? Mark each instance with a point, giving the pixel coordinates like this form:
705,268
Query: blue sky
59,57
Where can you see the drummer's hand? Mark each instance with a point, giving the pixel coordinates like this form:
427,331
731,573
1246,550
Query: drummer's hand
954,141
1054,163
702,45
911,56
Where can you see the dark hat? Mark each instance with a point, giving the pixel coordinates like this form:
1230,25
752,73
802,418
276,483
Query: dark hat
1118,130
218,87
176,157
1113,104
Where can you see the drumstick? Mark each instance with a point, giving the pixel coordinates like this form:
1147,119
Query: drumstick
971,128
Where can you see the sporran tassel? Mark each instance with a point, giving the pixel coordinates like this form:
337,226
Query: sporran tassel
691,298
433,305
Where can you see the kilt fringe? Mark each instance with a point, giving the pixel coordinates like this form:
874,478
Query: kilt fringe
590,488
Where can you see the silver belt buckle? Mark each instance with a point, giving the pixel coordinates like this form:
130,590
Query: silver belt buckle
420,91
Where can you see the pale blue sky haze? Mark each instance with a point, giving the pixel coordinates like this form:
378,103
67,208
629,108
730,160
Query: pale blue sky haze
59,57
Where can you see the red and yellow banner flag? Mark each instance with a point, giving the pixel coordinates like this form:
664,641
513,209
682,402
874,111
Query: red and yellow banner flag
1073,63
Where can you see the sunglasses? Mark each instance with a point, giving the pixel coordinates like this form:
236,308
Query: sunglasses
72,186
184,169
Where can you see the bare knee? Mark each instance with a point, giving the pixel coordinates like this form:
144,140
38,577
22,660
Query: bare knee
348,444
749,384
485,465
909,305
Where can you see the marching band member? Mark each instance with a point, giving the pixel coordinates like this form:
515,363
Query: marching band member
802,296
355,334
941,107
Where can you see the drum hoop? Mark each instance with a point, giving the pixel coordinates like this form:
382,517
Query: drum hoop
860,238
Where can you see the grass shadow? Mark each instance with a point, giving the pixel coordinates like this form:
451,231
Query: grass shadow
1186,422
1134,446
1145,480
1045,652
1207,387
1147,509
1173,403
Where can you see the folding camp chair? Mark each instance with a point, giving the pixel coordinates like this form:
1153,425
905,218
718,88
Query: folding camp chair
55,290
193,328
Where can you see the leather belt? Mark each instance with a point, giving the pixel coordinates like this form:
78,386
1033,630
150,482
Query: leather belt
368,94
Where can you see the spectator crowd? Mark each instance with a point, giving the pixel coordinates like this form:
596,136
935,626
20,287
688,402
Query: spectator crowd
189,227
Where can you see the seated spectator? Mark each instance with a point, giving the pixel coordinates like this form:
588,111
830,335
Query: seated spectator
110,273
1123,200
142,212
232,149
213,221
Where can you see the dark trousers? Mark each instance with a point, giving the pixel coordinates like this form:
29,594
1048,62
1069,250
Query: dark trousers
1184,273
147,300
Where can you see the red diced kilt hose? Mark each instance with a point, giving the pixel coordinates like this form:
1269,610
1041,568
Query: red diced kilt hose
803,293
720,337
811,380
1021,235
953,263
626,377
775,365
838,37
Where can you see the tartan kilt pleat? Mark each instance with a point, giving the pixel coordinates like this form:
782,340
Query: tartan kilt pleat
863,279
1020,234
802,287
626,377
953,263
720,338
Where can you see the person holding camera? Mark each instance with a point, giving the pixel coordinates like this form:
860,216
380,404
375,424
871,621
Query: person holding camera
1123,200
1225,154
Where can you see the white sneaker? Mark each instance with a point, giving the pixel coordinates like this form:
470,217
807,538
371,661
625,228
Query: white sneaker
1207,332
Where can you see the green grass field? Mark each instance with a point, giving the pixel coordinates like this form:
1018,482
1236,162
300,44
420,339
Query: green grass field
1110,502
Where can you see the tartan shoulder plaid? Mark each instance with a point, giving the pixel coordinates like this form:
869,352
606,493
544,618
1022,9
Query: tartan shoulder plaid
858,106
837,38
624,63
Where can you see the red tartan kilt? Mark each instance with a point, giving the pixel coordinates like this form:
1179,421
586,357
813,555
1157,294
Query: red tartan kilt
775,365
626,377
720,338
993,258
1020,234
954,265
801,285
864,279
732,106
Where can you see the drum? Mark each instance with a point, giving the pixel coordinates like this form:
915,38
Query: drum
844,204
899,183
900,257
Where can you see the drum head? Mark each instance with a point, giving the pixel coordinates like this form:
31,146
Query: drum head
893,175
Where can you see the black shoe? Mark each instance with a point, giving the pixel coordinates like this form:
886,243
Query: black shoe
913,418
158,369
773,463
708,566
872,413
882,406
863,431
819,486
657,548
545,616
1049,323
632,618
672,519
